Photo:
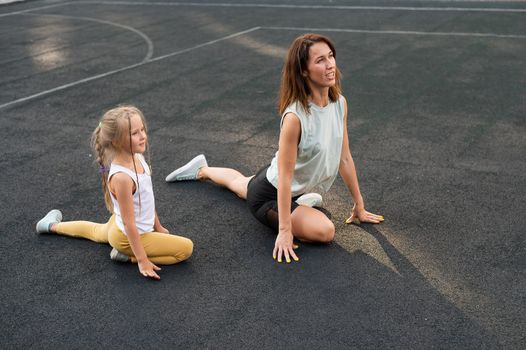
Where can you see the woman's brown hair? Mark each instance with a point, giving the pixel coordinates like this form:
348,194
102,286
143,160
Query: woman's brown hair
294,87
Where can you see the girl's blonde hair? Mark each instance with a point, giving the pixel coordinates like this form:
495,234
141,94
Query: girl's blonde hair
294,87
109,137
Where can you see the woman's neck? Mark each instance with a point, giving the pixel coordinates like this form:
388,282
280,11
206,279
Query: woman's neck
320,97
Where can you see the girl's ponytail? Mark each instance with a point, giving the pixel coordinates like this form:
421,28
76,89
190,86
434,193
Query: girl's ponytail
101,147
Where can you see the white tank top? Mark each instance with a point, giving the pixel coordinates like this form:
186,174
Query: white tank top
145,212
319,149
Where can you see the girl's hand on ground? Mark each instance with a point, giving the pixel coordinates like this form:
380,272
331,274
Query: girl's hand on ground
147,269
359,215
284,246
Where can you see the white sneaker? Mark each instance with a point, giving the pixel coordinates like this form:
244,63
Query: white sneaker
310,200
189,170
53,217
118,256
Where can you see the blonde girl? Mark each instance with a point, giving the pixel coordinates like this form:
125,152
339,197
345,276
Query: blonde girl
134,230
313,148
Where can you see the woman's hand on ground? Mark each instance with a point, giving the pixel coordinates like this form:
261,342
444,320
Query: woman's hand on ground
359,215
147,269
284,247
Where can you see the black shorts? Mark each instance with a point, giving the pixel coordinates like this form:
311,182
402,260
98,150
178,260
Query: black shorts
262,200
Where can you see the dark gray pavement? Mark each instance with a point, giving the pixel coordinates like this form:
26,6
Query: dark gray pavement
437,130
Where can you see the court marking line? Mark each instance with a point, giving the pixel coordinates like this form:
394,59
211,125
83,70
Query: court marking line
314,7
106,74
149,42
33,9
102,75
399,32
283,6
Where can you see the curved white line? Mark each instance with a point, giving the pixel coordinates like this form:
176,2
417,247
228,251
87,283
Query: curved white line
149,42
102,75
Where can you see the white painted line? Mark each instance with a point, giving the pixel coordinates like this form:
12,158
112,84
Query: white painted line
289,6
149,42
3,2
204,44
399,32
310,7
32,9
106,74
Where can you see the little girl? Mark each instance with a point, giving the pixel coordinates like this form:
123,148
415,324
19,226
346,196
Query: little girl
134,230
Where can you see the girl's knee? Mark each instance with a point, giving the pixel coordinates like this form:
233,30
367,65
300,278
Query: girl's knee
187,249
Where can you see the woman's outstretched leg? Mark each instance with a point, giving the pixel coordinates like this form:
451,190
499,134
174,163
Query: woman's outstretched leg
227,177
198,169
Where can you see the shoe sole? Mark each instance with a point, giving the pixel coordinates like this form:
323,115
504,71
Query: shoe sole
311,200
115,255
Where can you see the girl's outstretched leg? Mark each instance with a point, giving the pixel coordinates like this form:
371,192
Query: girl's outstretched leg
95,232
85,229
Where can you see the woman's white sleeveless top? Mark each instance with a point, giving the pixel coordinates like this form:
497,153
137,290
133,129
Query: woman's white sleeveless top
319,149
145,211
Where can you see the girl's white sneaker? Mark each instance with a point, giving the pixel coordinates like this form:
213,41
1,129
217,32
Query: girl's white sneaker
53,217
118,256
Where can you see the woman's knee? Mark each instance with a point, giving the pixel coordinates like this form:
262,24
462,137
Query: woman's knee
326,231
311,225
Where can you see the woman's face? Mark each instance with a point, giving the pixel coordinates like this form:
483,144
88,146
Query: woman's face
321,66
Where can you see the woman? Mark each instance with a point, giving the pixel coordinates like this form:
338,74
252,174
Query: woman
313,148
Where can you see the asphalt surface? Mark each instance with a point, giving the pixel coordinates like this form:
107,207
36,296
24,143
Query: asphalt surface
437,130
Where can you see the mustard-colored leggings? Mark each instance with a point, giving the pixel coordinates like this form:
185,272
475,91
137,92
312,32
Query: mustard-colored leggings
161,248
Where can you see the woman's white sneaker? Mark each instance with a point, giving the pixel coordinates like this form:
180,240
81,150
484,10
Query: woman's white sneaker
188,171
310,200
53,217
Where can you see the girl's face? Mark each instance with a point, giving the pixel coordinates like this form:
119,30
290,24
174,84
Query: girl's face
138,135
321,66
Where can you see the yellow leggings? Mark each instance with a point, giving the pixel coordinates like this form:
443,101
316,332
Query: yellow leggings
161,248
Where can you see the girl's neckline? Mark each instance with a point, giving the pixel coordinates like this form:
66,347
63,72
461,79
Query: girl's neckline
138,164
